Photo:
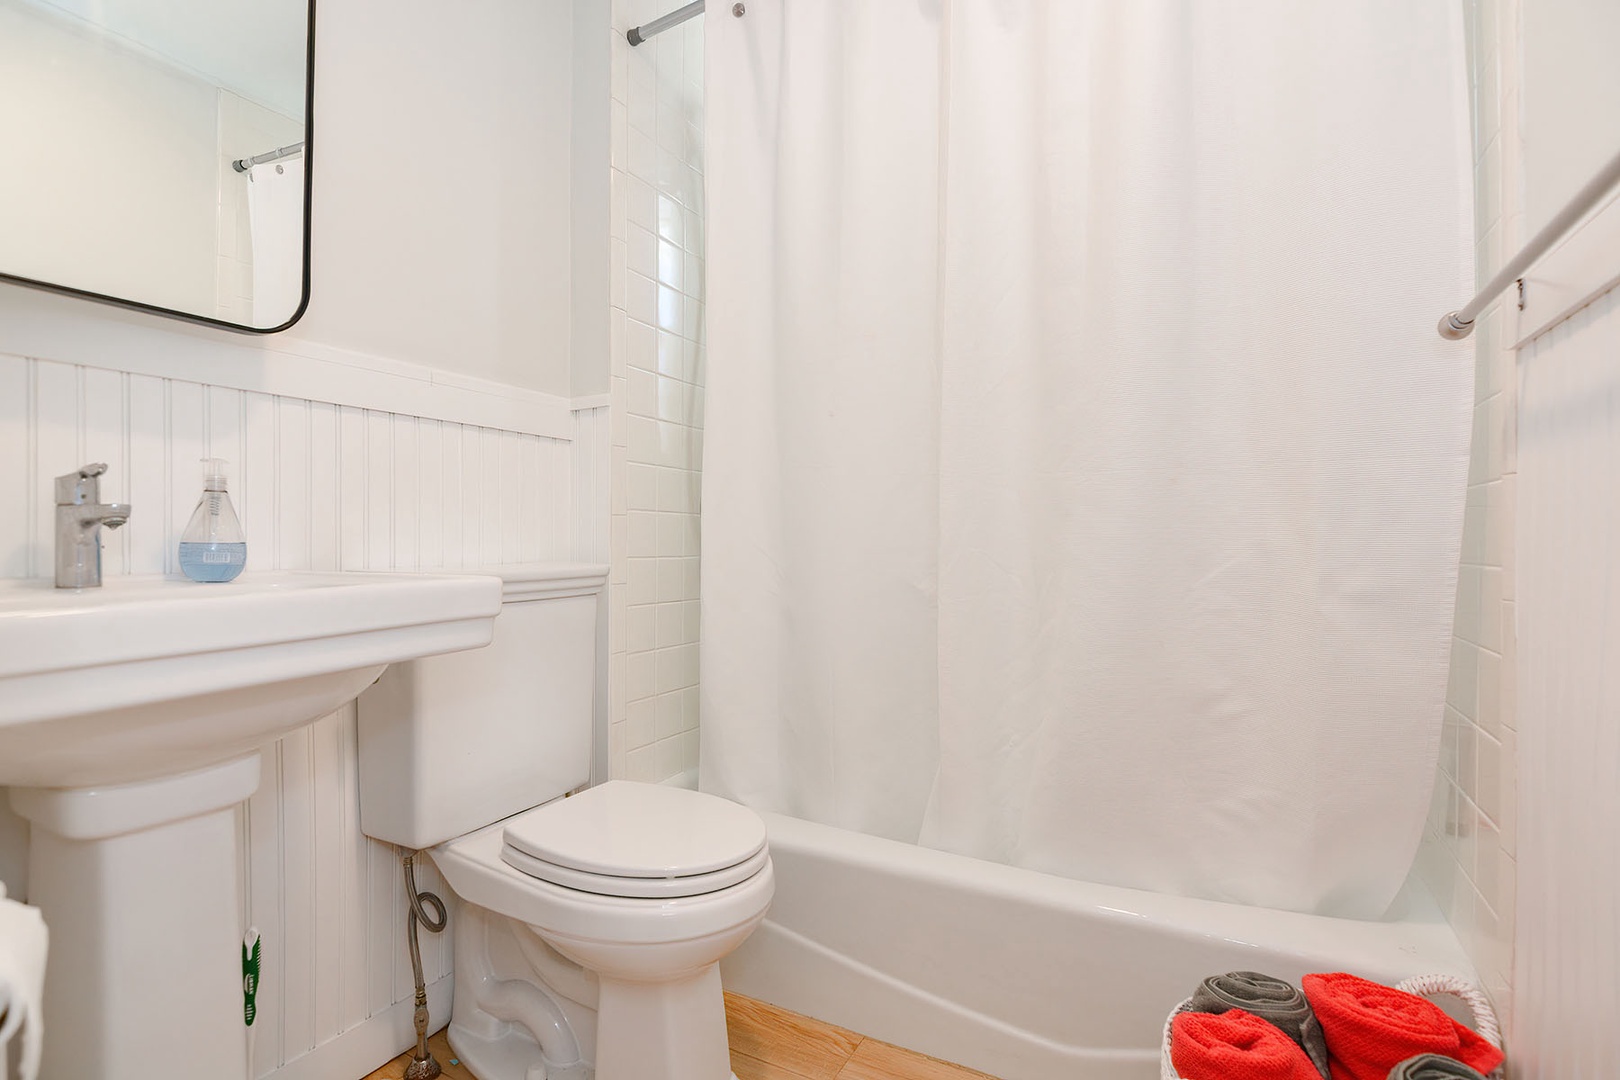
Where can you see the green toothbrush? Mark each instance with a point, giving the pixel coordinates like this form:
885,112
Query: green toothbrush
250,986
250,974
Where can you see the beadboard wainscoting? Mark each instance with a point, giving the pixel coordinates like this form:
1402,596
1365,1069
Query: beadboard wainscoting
319,486
1567,938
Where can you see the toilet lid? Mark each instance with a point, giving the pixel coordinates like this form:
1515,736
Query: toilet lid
622,829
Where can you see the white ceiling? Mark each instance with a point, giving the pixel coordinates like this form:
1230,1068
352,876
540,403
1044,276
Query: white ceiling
253,47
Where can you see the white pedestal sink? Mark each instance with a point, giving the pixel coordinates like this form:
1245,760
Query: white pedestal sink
130,718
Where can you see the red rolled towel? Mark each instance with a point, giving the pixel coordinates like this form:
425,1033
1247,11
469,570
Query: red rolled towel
1371,1028
1235,1045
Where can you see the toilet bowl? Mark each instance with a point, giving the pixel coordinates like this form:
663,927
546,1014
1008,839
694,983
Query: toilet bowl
655,959
590,925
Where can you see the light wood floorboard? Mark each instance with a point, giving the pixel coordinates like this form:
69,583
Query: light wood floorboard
768,1043
805,1048
875,1060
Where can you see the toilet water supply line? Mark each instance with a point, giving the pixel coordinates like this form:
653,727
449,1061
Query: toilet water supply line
422,1066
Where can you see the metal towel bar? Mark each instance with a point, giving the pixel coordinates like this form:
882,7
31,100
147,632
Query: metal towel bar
1456,325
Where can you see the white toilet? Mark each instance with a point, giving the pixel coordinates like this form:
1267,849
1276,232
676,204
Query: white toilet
590,928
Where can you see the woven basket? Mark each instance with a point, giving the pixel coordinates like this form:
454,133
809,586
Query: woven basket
1423,986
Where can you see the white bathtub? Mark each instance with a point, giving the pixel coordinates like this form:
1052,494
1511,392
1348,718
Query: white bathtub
1024,975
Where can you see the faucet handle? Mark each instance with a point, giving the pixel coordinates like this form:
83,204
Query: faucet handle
82,486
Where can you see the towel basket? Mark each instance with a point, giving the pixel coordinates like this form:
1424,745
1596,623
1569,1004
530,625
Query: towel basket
1422,985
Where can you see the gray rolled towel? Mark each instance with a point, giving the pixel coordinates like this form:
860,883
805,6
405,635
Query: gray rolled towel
1433,1067
1270,999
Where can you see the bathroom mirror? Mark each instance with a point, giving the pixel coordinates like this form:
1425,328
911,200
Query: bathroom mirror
154,154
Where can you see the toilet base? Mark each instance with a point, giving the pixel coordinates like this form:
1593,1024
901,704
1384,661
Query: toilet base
512,1054
672,1030
524,1011
628,986
507,1022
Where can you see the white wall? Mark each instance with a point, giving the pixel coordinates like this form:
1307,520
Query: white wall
657,393
1571,98
442,179
591,201
367,439
103,128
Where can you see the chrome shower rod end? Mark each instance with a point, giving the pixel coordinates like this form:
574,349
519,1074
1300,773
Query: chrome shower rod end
1453,328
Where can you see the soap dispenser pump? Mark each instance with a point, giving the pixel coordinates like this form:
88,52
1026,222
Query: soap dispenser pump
212,548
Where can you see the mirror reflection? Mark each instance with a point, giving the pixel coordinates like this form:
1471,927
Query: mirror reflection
153,152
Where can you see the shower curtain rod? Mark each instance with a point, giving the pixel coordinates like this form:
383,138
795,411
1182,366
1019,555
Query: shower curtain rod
1456,325
244,164
638,34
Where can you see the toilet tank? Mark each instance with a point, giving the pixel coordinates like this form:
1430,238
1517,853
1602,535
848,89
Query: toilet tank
449,744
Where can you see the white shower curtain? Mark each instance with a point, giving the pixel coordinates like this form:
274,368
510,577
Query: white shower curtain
1083,475
276,220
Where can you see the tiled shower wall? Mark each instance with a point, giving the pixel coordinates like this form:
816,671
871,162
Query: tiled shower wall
657,394
1468,852
318,486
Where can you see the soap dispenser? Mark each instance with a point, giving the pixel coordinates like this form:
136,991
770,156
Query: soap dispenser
212,548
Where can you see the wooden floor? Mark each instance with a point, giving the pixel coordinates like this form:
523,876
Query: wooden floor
768,1043
439,1047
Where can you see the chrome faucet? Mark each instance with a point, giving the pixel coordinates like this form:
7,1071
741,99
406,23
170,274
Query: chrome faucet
80,514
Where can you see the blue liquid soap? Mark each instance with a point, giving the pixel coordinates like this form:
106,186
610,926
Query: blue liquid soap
212,548
212,562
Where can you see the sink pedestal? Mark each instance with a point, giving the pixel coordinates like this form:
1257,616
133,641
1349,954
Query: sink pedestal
103,689
138,883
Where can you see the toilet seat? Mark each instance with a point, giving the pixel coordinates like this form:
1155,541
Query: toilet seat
637,841
635,887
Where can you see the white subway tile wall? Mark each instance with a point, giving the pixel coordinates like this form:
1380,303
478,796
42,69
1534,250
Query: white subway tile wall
319,487
657,394
1468,852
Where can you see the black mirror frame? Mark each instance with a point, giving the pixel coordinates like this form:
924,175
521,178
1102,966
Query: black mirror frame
309,188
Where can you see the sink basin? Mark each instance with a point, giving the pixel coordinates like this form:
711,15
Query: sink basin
152,676
130,721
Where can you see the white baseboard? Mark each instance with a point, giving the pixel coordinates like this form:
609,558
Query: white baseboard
370,1045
